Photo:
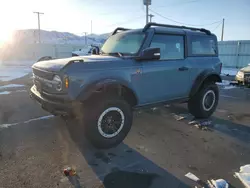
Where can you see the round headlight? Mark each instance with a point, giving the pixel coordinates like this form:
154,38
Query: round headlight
240,74
58,83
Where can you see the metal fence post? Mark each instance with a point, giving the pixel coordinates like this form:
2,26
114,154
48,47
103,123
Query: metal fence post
56,53
237,54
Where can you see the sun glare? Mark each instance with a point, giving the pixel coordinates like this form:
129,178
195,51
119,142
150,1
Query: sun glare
6,35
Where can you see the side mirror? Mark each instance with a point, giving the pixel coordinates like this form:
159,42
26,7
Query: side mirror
150,54
95,50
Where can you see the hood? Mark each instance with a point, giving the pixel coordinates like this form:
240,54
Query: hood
56,65
98,58
245,69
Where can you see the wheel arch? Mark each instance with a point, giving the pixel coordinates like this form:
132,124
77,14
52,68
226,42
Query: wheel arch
203,78
110,86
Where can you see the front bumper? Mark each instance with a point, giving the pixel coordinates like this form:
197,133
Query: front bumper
56,105
243,80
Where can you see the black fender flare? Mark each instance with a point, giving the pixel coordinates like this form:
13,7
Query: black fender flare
97,85
203,76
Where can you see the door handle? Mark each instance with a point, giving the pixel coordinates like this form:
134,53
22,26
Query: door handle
183,68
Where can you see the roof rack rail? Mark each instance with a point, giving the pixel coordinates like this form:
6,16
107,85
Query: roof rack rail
119,29
147,26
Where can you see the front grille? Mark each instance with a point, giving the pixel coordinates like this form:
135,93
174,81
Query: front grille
43,74
247,77
42,79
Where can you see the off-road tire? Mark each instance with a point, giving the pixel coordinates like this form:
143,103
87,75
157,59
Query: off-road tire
195,104
93,110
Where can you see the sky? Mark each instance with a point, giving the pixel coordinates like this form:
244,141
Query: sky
75,15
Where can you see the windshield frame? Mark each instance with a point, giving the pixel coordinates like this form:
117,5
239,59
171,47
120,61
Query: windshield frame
128,32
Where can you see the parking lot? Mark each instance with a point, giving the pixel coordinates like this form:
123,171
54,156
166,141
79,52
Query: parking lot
160,149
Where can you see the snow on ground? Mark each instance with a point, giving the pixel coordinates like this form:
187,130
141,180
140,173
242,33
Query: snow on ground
18,63
11,85
224,83
10,70
244,175
9,92
4,92
229,71
28,121
229,87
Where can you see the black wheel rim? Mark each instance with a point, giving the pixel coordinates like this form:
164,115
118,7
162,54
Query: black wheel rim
111,122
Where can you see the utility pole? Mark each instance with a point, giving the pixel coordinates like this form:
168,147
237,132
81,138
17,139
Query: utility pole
38,18
147,3
150,17
222,31
85,33
91,27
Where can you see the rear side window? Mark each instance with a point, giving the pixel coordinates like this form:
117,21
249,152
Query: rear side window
203,45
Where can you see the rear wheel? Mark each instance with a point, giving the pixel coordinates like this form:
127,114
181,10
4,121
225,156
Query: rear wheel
205,101
107,121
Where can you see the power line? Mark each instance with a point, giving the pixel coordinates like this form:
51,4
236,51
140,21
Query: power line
121,23
178,3
216,26
114,13
182,22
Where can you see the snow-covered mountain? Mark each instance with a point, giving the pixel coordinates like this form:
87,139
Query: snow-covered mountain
55,37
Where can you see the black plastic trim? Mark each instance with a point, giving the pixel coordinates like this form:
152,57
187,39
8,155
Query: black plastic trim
147,26
200,79
119,29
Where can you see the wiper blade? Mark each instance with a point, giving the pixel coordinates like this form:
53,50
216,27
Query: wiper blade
120,54
116,53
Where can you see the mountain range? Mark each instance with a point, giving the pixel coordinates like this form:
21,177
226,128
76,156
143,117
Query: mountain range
56,37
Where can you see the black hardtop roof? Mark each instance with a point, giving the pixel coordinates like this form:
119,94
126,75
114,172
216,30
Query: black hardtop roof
163,28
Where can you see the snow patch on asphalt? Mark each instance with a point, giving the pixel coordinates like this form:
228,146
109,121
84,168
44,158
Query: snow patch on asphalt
8,73
5,92
244,175
226,84
21,91
229,87
223,83
9,92
228,96
11,86
25,122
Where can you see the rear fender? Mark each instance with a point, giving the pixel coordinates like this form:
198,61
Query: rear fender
205,76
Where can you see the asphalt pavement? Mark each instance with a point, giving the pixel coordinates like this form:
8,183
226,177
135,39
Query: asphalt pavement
163,145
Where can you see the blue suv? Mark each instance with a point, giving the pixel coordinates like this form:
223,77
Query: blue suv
137,68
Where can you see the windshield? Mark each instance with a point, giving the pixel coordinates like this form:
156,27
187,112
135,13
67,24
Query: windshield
125,43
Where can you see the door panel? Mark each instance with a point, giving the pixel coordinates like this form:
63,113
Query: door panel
162,80
167,78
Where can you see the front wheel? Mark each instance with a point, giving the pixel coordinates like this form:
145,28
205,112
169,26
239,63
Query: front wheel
108,121
205,101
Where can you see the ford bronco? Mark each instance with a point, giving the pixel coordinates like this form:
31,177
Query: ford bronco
136,68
